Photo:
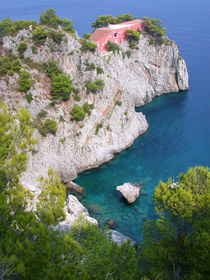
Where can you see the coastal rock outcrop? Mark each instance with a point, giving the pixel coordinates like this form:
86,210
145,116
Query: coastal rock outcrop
119,238
129,191
113,124
73,210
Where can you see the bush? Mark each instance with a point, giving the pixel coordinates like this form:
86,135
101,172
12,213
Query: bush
61,87
88,46
99,70
49,126
87,107
16,65
77,113
24,81
22,47
50,18
5,65
100,125
86,36
89,66
76,97
39,35
95,86
51,68
118,103
68,26
112,47
128,53
153,27
29,97
133,37
56,36
7,27
106,19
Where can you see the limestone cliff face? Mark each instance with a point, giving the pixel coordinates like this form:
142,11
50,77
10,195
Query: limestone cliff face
133,81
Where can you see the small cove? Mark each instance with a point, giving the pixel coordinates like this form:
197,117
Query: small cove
179,132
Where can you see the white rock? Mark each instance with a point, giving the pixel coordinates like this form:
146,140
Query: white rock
129,191
119,238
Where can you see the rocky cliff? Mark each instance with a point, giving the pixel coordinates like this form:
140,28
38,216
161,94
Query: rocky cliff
129,81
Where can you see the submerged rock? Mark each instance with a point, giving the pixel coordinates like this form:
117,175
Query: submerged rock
129,191
119,238
95,209
74,187
112,224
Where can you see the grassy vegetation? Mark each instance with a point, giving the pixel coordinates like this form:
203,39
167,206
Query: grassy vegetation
95,86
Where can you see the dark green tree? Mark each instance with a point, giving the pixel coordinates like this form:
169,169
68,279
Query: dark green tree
61,87
176,244
77,113
24,81
88,45
40,35
95,86
104,21
68,26
50,18
51,68
22,47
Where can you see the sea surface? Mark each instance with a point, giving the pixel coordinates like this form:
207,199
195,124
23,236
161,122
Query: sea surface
179,132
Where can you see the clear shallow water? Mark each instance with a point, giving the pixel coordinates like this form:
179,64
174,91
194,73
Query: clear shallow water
179,132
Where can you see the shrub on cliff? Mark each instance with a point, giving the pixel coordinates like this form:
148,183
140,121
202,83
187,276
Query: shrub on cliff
22,47
88,46
56,36
77,113
24,81
5,65
50,18
61,87
95,86
51,68
104,20
133,37
112,47
153,27
49,126
7,27
16,65
87,107
40,35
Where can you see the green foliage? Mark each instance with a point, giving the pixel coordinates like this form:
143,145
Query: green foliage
29,97
50,18
95,86
109,19
51,211
176,244
62,140
133,37
34,49
39,35
118,103
61,87
7,27
87,107
51,68
5,65
22,47
86,36
24,81
99,70
68,26
89,66
88,46
49,126
56,36
77,113
16,65
76,97
153,27
112,47
100,125
42,114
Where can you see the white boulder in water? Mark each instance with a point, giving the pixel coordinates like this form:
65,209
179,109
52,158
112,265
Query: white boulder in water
130,191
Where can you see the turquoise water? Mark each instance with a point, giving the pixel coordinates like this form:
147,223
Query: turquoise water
179,132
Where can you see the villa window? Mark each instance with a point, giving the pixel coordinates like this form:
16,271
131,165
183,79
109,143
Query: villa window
115,35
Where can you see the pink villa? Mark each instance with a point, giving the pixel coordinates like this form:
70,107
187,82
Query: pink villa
114,33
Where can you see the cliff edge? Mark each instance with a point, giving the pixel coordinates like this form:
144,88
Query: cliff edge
130,80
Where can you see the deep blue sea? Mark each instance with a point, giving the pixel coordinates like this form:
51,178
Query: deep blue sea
179,132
